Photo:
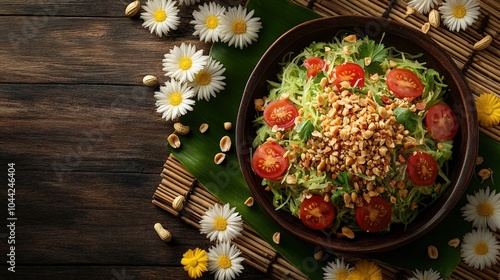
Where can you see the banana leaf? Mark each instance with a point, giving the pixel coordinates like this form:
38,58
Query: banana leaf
226,182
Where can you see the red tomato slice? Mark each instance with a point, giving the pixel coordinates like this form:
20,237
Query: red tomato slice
404,83
422,169
316,213
268,161
374,216
281,113
314,65
350,72
441,122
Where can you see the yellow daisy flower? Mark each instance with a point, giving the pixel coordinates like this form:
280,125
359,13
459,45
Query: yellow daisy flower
365,270
195,262
488,109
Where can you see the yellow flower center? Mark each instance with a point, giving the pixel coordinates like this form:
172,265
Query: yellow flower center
193,263
488,110
239,26
203,78
481,248
220,224
212,22
185,63
459,11
175,99
160,15
224,262
485,209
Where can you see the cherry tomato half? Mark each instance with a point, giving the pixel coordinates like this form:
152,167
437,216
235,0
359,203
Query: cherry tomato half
350,72
374,216
281,113
404,83
268,161
314,65
422,169
316,213
441,122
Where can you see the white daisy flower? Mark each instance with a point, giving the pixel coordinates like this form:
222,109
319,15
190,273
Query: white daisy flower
206,21
336,270
183,62
209,80
423,6
224,260
238,27
480,248
426,275
188,2
483,209
458,14
174,100
160,16
221,223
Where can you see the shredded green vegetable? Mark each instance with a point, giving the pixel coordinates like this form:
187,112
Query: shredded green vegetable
305,93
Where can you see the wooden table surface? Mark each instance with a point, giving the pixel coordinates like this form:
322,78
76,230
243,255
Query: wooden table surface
87,144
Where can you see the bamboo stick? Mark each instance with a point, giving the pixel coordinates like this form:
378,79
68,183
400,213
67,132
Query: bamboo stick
178,177
281,272
265,251
163,206
174,186
282,262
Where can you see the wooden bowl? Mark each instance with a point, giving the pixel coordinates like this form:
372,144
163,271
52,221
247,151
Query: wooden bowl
404,39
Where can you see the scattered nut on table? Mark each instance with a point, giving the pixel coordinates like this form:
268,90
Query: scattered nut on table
432,251
203,127
484,173
174,141
409,11
150,80
318,255
178,203
276,237
434,18
228,125
181,129
483,43
133,8
249,202
479,160
426,27
454,242
164,234
219,158
225,143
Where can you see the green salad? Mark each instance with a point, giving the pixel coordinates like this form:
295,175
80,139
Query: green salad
354,136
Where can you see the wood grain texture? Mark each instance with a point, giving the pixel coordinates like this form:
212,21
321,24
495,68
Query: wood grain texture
87,142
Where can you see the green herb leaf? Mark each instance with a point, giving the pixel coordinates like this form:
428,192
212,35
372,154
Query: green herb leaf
305,129
407,118
377,53
342,180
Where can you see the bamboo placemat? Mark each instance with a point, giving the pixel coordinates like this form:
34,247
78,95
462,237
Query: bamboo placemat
177,181
480,68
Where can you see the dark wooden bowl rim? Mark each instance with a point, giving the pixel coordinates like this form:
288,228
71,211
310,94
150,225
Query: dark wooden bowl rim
404,39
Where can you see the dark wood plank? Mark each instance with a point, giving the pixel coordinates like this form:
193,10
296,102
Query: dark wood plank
83,51
94,128
116,272
87,142
94,219
113,8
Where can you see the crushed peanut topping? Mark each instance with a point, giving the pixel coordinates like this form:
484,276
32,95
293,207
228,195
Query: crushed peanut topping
355,136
